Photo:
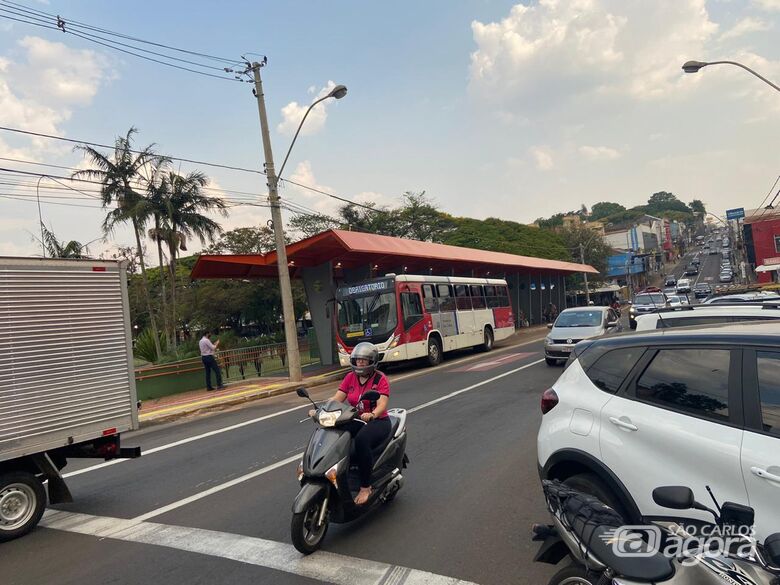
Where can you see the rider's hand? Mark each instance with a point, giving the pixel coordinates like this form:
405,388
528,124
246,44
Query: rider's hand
312,412
367,416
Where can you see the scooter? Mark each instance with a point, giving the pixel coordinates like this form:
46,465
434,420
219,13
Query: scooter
602,549
329,482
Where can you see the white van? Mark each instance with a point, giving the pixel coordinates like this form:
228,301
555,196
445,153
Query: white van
693,315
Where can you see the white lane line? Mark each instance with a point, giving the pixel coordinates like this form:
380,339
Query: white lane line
189,439
217,488
323,566
265,417
477,385
297,456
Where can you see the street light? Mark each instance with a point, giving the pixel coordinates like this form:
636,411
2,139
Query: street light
285,289
337,92
694,66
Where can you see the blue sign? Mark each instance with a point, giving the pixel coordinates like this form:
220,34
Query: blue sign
737,213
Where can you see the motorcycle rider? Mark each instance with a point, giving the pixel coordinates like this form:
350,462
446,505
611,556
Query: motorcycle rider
363,377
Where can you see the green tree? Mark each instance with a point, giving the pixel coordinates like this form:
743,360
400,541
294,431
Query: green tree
665,201
697,206
183,206
248,240
605,208
500,235
419,218
61,249
308,225
595,250
119,175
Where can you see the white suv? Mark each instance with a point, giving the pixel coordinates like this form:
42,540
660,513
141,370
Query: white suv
698,315
671,407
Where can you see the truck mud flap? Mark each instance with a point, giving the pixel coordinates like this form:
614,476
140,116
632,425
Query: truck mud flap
58,490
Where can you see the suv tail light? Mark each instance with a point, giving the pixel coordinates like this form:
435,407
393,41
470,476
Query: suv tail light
549,400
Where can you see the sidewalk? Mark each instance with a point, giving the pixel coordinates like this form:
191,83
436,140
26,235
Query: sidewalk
178,405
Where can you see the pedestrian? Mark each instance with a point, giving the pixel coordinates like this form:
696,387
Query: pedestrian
207,349
553,312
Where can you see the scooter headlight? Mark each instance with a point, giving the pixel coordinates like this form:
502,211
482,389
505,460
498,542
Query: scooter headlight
328,419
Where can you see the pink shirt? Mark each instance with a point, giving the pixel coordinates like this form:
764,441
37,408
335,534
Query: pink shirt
352,388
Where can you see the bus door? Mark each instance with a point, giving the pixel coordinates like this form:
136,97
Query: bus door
467,325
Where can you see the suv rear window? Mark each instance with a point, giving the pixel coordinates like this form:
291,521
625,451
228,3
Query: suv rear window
693,381
609,371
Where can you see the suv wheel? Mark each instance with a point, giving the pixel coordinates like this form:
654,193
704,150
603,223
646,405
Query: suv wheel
590,484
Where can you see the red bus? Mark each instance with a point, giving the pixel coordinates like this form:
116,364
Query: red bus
409,317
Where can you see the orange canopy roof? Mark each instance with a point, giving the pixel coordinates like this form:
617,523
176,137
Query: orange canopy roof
354,249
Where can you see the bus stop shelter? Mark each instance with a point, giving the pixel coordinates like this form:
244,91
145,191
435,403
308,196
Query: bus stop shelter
337,257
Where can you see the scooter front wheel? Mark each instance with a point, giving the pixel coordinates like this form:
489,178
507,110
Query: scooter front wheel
306,530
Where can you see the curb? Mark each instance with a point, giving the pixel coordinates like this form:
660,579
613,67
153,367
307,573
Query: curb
217,403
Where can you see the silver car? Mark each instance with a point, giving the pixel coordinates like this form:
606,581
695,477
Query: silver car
574,325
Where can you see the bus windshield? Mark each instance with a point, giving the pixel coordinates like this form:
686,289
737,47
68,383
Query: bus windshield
367,318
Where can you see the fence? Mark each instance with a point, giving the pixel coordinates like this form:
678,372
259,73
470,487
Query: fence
236,364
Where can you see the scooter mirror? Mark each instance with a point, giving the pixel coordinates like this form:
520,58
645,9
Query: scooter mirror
371,395
302,392
675,497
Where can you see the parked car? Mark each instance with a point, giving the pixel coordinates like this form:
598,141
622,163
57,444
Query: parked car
683,285
645,303
726,276
693,407
702,315
576,324
702,290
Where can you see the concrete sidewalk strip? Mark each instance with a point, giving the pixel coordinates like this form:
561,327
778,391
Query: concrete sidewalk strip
322,566
170,408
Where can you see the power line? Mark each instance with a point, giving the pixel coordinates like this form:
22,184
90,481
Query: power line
61,25
103,30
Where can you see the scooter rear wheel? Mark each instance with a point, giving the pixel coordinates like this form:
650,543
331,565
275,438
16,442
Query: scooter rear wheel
574,574
306,535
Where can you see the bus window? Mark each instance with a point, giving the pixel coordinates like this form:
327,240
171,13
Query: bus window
429,298
503,297
446,300
491,297
462,299
477,300
411,309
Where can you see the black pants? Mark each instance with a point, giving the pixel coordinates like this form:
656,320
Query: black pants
367,437
210,363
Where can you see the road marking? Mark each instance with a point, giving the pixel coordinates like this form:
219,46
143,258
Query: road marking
265,417
297,456
494,363
323,566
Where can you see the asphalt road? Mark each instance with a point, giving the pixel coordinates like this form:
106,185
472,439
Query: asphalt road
709,271
216,508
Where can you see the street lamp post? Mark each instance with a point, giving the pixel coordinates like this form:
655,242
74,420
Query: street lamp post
288,309
694,66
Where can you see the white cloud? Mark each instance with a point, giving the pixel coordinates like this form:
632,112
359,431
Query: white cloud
578,47
745,26
542,158
768,5
318,202
293,112
599,152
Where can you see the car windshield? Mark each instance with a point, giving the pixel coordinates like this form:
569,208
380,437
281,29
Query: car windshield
652,299
579,319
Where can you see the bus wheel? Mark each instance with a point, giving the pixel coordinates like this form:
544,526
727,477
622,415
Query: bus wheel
434,352
487,345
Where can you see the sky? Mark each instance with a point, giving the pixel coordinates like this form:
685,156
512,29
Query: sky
494,108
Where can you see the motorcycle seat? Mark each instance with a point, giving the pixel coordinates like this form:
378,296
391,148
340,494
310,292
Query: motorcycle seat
599,528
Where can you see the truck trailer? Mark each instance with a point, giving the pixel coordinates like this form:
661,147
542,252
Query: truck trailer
67,388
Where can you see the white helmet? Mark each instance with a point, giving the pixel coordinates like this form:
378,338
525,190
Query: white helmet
367,351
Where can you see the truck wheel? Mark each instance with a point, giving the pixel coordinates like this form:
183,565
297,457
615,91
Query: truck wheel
434,352
306,535
487,345
22,502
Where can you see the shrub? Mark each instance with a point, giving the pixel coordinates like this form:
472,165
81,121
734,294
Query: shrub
144,346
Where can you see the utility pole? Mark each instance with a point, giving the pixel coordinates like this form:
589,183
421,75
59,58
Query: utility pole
288,310
585,275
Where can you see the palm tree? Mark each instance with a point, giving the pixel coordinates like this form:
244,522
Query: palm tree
156,207
61,249
118,176
180,204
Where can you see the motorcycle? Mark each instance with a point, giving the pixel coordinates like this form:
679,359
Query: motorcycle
329,482
604,550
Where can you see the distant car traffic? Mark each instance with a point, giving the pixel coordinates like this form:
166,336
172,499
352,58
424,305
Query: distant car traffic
683,285
676,301
645,303
575,324
691,270
726,276
670,281
702,290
